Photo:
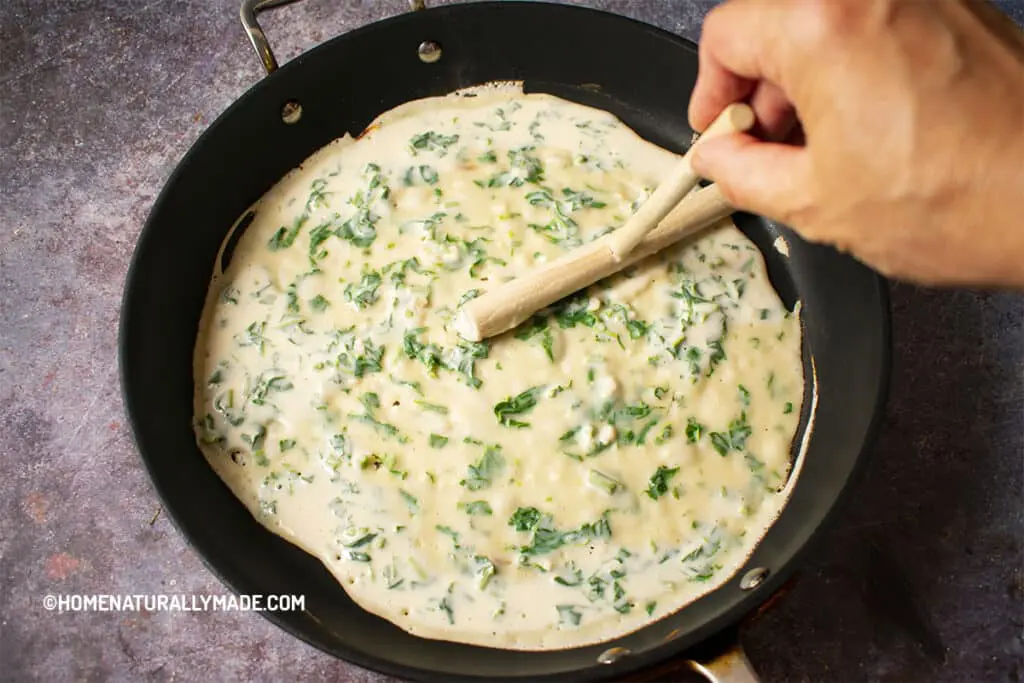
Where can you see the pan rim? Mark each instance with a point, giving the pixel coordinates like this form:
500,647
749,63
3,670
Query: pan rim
722,621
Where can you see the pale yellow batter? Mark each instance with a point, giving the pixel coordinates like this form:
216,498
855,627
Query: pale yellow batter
596,469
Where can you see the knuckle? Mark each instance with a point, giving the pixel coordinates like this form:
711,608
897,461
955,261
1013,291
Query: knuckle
794,207
733,193
716,24
824,21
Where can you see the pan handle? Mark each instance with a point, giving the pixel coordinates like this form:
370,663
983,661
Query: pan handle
728,666
250,8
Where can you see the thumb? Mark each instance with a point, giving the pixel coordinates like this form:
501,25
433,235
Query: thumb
767,178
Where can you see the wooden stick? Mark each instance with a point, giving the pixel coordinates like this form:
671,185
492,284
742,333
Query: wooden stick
733,119
512,303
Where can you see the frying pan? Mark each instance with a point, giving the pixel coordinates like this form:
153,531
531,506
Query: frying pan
638,72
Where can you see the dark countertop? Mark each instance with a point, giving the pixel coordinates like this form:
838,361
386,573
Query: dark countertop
920,581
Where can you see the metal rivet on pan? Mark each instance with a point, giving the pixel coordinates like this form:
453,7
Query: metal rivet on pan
291,112
753,578
429,52
612,655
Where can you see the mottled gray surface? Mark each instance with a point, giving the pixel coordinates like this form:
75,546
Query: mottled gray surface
98,102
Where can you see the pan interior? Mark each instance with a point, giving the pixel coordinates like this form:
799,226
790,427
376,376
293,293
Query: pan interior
845,310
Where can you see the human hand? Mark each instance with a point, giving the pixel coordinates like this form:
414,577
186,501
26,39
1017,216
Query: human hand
892,129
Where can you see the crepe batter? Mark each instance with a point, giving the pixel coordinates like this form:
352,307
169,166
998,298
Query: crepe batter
596,469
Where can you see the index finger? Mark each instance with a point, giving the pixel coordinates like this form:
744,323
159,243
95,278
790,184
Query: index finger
742,42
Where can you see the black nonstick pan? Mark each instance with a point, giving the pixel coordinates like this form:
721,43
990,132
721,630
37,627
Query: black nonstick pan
641,74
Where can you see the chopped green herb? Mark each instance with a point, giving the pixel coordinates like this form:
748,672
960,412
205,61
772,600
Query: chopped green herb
444,606
716,357
575,311
633,411
357,537
292,296
255,441
569,435
537,327
285,237
693,430
692,356
415,386
254,335
689,291
735,439
524,519
462,360
357,363
317,236
659,481
704,574
523,403
665,435
580,200
438,441
571,576
603,482
428,354
359,230
483,472
364,294
224,404
399,270
267,384
545,538
317,195
410,500
637,329
484,570
341,447
432,407
428,174
520,159
319,303
371,402
567,614
476,508
641,436
560,230
433,141
468,296
450,532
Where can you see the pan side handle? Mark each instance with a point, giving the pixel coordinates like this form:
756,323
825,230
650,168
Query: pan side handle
250,8
728,666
